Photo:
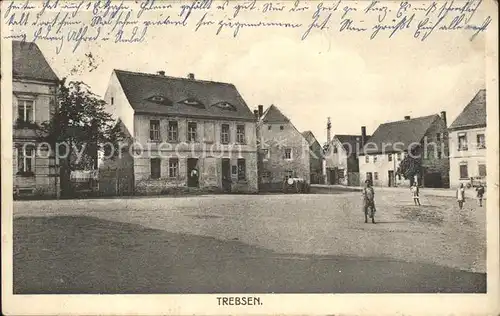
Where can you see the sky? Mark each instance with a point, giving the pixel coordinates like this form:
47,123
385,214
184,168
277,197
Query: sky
355,81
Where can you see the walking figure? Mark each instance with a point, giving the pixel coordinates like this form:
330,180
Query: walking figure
480,194
415,192
461,195
369,202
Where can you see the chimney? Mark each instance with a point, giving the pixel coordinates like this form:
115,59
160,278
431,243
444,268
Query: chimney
256,114
328,131
363,136
407,118
191,76
261,110
443,117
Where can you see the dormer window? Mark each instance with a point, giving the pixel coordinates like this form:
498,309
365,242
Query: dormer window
160,100
193,102
225,106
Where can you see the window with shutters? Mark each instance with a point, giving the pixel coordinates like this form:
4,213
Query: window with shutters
173,167
288,154
173,131
192,135
224,134
25,161
240,134
462,141
481,141
25,111
154,130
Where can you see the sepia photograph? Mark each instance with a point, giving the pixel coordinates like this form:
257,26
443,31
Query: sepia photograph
221,157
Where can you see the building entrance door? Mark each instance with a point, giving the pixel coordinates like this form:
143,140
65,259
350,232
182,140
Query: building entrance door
391,178
226,175
192,172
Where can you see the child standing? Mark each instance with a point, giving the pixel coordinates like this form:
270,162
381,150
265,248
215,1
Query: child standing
461,195
480,194
415,192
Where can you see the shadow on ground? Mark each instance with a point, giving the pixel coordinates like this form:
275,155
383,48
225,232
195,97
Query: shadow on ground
86,255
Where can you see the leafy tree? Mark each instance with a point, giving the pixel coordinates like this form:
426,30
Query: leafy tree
78,130
410,166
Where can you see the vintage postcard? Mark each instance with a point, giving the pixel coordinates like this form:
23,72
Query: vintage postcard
207,157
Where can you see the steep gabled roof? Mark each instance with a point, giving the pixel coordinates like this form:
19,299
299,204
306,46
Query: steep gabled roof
474,114
158,94
28,62
351,142
403,132
274,115
309,136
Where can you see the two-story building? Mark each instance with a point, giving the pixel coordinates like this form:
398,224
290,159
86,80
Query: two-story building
341,157
283,150
315,158
34,88
183,133
468,142
427,136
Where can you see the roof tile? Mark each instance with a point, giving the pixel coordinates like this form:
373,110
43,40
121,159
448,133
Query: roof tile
139,88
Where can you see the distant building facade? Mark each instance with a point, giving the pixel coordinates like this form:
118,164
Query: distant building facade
468,142
390,143
315,158
34,86
190,133
341,157
283,150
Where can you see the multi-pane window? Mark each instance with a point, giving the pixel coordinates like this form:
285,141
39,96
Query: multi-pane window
375,158
265,153
335,149
464,172
154,130
438,137
288,153
173,167
288,174
240,134
173,131
462,141
155,168
398,155
25,111
192,131
481,141
241,169
25,159
367,159
224,134
375,175
481,168
390,157
266,175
